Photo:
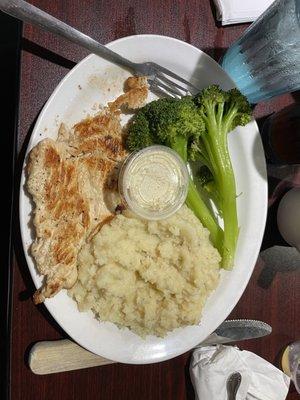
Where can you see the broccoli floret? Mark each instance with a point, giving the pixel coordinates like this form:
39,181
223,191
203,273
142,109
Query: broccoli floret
175,123
166,121
221,112
139,136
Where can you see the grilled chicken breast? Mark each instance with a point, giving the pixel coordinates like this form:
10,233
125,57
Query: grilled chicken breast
73,183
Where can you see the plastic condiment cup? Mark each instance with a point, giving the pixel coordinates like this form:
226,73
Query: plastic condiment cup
153,182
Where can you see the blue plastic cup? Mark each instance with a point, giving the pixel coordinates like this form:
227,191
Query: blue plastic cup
265,61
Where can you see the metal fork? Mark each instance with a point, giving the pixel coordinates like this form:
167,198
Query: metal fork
160,79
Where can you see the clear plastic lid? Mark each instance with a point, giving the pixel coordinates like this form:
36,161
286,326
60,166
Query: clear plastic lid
154,182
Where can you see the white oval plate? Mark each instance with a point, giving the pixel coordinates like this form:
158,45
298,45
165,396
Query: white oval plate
95,80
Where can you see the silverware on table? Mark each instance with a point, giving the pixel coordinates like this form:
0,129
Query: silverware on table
160,79
49,357
236,330
233,384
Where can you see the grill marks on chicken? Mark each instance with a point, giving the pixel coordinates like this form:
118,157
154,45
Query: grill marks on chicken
61,215
73,183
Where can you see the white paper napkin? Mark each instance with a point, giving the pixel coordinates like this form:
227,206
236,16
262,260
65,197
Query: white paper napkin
238,11
212,365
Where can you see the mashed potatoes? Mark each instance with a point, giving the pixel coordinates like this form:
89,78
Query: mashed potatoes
151,276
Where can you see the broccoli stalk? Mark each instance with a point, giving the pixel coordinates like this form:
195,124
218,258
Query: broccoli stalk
194,200
177,124
195,203
208,185
222,112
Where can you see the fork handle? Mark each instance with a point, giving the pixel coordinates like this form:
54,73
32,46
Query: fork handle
28,13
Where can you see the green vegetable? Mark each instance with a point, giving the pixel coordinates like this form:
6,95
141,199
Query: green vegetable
175,123
221,112
197,128
208,185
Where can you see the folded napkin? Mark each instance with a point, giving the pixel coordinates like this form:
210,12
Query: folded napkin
212,365
238,11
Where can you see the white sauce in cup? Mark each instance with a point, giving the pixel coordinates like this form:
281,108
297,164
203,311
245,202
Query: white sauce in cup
154,182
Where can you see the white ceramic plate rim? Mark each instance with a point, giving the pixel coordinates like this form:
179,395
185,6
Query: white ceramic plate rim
232,298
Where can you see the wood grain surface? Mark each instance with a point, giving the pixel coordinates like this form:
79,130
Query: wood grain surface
272,295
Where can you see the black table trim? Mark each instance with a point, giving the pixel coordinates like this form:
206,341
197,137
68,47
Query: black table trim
10,41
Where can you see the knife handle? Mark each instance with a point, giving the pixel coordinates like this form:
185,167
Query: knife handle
49,357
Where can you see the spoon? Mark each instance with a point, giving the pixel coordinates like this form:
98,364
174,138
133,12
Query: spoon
233,384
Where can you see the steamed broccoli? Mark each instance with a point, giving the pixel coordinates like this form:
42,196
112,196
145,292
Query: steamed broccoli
221,112
197,128
175,123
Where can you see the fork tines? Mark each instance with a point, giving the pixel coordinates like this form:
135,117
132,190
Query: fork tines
166,82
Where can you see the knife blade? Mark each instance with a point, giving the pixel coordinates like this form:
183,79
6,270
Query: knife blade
237,330
50,357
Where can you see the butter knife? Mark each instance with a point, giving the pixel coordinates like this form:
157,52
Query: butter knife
49,357
236,330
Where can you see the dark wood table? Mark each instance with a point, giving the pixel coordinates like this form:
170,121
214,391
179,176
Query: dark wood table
271,296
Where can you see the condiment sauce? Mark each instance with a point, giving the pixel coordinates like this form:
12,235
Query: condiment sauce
153,182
